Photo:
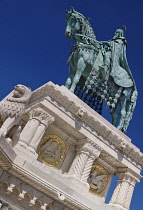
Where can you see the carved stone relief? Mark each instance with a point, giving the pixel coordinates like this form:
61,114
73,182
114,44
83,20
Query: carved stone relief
24,197
52,150
12,107
98,180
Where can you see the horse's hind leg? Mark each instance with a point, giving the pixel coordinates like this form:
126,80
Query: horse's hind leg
80,68
123,104
128,115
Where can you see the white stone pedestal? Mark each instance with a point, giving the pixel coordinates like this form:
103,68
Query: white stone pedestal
73,157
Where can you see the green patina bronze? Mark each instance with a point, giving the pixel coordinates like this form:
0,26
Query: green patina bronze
104,67
84,52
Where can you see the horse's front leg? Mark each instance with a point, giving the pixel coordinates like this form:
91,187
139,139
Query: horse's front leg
69,79
68,82
80,69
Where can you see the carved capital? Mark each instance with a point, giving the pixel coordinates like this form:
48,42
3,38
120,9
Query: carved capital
127,176
41,115
35,113
47,119
95,149
89,147
131,178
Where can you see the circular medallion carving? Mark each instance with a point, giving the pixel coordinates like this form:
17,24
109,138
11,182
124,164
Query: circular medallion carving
52,150
98,179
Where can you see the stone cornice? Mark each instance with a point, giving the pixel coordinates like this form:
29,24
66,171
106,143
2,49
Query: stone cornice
104,130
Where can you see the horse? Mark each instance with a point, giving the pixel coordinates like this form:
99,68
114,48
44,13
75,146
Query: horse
104,67
85,50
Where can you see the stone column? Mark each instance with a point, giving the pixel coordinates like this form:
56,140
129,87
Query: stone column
35,128
82,164
94,152
30,128
124,190
117,188
87,168
79,162
130,193
47,119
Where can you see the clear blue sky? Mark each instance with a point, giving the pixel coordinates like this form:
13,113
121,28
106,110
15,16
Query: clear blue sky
34,49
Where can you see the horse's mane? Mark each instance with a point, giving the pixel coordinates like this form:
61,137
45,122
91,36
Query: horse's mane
86,26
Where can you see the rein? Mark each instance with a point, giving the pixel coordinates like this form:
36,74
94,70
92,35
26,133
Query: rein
85,39
85,42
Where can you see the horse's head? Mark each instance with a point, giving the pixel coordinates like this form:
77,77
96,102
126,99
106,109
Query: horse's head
74,23
78,24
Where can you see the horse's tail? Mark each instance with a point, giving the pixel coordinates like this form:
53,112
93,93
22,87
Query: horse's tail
131,108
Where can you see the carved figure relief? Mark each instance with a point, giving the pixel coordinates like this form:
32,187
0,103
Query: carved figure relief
52,150
98,179
11,110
